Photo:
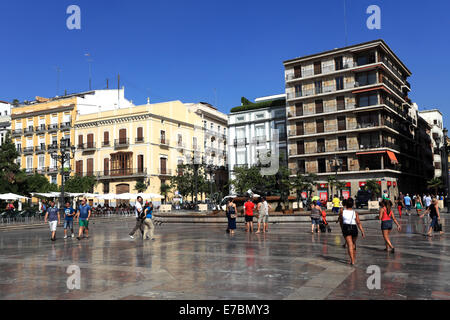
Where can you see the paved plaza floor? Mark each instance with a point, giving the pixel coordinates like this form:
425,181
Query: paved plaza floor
202,261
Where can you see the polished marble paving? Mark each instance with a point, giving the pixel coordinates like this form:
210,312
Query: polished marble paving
202,261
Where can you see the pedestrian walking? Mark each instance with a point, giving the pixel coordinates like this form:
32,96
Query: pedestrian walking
399,203
316,213
385,195
231,215
427,201
419,204
349,220
435,217
140,217
69,213
341,210
249,206
148,222
83,215
407,202
387,217
53,217
263,215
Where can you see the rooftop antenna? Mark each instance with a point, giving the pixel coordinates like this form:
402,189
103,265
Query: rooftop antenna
107,83
89,60
345,23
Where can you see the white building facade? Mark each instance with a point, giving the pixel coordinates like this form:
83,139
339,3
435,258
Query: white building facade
251,134
435,119
5,120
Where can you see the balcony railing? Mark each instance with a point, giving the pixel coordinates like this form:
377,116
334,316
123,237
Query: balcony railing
139,140
106,143
164,172
326,89
164,142
52,147
65,125
180,145
52,170
40,149
28,150
28,130
52,127
362,147
40,128
325,70
89,146
17,132
121,143
240,142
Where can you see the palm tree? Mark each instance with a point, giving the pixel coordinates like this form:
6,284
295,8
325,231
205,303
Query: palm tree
331,183
140,186
435,184
303,183
165,188
373,187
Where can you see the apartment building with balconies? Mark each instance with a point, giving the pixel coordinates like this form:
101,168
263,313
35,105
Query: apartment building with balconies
38,126
142,143
251,130
351,105
435,120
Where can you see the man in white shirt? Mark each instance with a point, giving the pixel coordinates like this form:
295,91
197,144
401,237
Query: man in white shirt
139,218
428,201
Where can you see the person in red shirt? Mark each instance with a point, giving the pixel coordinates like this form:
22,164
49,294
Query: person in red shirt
248,212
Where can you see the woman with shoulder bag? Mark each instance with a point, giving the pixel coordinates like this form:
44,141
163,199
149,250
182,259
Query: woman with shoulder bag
231,215
350,223
386,223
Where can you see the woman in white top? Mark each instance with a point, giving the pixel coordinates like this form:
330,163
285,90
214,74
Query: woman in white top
349,220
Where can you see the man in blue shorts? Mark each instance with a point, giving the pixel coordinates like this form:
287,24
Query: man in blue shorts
83,215
69,213
407,201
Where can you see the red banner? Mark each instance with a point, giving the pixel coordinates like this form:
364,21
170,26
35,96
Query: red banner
389,183
362,183
346,194
348,185
324,196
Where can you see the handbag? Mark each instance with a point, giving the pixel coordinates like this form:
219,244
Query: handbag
438,227
349,228
232,215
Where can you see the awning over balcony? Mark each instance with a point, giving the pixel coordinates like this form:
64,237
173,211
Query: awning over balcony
390,154
369,152
392,157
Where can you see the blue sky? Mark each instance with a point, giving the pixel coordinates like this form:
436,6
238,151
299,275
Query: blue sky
214,51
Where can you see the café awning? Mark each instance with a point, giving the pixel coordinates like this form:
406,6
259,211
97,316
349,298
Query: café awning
392,157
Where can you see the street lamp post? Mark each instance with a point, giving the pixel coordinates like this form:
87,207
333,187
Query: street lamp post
445,168
196,165
337,164
62,158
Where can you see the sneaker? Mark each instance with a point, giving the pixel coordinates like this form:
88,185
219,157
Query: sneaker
65,237
73,235
153,239
78,238
131,237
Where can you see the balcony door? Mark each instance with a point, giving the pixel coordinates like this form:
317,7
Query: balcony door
163,165
122,136
106,167
90,167
319,106
163,137
140,163
299,128
90,140
121,163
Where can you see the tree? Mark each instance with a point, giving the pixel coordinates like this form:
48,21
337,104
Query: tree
303,183
140,186
248,178
77,184
15,103
331,183
165,189
12,178
184,181
245,101
435,184
373,187
339,186
39,183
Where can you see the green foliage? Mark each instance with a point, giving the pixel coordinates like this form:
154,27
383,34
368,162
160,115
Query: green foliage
140,186
435,184
245,101
259,105
165,189
373,187
303,183
248,178
77,184
39,183
12,178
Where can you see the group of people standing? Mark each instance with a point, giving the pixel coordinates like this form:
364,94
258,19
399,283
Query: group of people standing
82,215
350,222
262,209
